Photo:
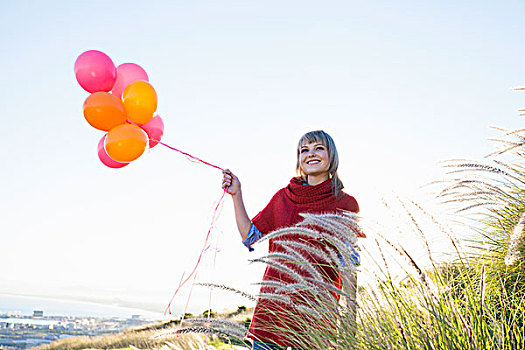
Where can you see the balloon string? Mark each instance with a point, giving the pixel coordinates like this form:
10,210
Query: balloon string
188,301
189,156
212,225
192,158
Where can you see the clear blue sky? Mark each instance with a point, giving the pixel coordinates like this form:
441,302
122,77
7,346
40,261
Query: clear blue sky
400,86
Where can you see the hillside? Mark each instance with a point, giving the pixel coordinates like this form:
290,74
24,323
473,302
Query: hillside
195,332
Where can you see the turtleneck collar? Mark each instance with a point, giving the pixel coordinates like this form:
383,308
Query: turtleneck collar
318,194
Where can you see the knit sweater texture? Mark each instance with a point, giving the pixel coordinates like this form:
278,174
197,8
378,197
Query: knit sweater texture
273,321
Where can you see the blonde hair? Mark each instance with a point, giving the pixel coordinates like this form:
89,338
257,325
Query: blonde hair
326,140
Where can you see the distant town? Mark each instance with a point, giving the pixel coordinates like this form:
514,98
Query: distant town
19,331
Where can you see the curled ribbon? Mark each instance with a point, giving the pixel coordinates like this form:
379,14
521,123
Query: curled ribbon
215,216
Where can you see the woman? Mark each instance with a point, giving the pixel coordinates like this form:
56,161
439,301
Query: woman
317,189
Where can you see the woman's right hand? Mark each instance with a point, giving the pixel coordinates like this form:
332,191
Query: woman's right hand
231,182
232,185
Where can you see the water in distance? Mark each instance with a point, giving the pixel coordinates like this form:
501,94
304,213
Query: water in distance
25,305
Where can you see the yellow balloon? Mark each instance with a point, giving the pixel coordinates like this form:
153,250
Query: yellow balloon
125,143
140,101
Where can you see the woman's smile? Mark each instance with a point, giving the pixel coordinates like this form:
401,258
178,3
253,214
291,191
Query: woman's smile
313,159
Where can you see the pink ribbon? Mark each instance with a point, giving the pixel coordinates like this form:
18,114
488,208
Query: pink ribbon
215,216
189,156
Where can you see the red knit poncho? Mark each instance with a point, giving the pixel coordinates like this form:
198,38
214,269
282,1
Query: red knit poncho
283,211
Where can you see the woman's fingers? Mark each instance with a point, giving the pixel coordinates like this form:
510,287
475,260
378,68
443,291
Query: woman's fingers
230,181
227,177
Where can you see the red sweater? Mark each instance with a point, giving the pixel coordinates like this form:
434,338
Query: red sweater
283,211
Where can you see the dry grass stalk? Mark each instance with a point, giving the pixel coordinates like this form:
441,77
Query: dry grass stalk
515,240
447,231
227,288
418,229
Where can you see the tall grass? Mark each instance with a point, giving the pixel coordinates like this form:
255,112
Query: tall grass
474,299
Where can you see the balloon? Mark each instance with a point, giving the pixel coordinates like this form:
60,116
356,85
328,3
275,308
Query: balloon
140,101
155,129
95,71
127,73
104,111
126,142
104,158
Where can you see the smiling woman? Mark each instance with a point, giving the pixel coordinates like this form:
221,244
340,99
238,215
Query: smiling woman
317,189
318,160
313,162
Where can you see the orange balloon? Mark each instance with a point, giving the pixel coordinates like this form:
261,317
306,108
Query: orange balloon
104,111
126,142
140,101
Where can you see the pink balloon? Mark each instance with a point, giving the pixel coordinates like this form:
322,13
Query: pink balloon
127,73
95,71
155,129
104,158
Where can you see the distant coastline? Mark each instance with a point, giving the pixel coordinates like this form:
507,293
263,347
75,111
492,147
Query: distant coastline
55,306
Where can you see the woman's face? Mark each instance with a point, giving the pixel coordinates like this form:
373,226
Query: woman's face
313,159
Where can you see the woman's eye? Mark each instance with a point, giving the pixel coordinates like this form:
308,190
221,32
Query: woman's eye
320,148
304,150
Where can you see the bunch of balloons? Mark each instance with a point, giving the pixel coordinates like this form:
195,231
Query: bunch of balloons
122,102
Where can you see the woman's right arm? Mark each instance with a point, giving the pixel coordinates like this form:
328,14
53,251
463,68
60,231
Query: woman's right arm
233,186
